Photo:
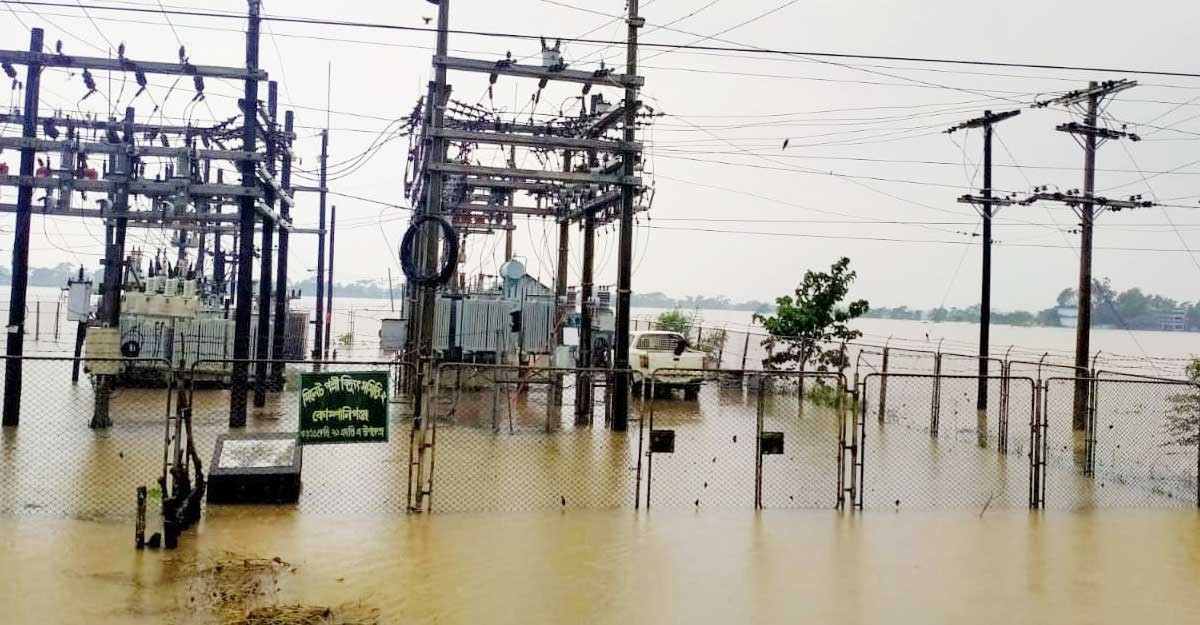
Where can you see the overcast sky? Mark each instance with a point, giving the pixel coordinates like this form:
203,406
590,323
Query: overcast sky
864,140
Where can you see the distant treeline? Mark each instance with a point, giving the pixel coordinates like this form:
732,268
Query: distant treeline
662,300
1131,309
56,276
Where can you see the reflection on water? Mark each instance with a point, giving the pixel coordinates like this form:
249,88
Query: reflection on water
628,567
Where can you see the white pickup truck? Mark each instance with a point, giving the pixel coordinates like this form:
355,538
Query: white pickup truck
655,354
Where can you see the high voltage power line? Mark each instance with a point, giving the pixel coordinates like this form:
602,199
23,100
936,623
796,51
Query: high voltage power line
680,46
802,235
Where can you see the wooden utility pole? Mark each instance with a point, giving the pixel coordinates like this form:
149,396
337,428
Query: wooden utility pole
620,415
986,204
318,333
1086,210
15,346
246,219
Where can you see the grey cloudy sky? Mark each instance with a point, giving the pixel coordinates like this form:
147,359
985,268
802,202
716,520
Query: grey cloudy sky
864,135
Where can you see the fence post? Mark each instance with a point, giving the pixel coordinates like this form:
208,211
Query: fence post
758,426
935,404
37,320
855,442
745,349
883,384
57,315
1090,437
1002,426
800,388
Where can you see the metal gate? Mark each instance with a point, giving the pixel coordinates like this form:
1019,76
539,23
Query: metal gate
509,438
1133,443
744,439
922,442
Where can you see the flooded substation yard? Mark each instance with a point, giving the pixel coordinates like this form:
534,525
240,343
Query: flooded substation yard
745,497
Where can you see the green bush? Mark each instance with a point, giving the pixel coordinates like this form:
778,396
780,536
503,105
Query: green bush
673,321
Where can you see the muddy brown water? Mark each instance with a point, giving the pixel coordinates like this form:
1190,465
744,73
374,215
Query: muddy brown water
623,566
700,554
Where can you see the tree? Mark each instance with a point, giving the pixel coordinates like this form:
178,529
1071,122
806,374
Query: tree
1183,417
1133,307
1048,317
813,316
1066,297
1104,310
673,321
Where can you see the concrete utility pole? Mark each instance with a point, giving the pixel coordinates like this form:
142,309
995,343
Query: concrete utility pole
985,204
15,346
318,332
620,415
428,246
281,277
246,217
1086,210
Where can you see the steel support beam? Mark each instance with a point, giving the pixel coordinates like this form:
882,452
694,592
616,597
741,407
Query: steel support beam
504,68
15,57
538,141
535,174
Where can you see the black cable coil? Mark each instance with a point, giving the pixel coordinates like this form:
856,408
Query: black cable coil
408,261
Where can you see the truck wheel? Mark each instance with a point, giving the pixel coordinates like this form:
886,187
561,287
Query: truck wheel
691,393
636,387
662,392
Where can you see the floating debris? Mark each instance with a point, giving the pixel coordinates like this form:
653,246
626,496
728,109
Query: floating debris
243,590
295,614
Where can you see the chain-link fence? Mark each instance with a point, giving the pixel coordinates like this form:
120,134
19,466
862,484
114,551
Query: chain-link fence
924,442
743,439
81,448
1133,444
507,438
510,438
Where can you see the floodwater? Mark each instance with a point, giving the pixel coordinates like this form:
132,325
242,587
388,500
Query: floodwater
638,567
512,447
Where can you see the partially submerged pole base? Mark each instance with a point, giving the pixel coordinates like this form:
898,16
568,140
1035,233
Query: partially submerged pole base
100,409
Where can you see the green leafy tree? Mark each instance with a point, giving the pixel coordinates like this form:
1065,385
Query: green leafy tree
674,320
805,323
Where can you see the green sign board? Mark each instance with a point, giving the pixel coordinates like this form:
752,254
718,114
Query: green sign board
343,407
